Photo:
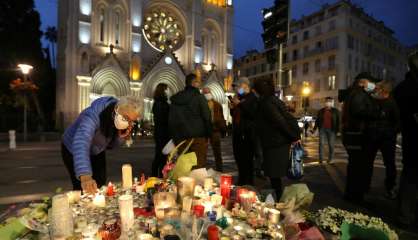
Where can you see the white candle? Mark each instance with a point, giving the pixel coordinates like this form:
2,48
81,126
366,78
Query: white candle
126,210
73,196
126,176
145,236
274,216
140,188
216,199
208,184
185,187
208,206
61,218
99,200
219,212
187,204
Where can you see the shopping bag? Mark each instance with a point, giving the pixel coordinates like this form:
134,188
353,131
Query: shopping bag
296,162
183,164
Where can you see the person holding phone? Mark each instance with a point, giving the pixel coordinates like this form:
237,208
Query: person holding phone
104,125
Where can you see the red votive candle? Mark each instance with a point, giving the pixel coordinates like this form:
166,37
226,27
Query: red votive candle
240,191
213,232
199,210
225,182
110,191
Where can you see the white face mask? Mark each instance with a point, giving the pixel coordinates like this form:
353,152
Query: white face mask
329,104
208,96
167,92
120,122
370,87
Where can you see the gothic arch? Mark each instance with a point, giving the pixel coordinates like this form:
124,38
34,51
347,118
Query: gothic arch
211,42
167,75
112,76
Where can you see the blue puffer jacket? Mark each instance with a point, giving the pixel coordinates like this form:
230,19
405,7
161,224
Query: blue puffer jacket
84,138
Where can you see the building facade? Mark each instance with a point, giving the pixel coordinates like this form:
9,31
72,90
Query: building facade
328,48
127,47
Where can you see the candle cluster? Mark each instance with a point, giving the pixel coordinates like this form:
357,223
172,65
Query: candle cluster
152,208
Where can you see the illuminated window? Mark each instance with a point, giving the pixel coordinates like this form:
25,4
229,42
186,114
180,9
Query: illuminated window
85,7
102,24
331,82
117,28
84,32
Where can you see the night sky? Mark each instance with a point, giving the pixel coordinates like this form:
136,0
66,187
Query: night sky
399,15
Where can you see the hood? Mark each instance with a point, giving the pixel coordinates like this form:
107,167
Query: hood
184,97
100,104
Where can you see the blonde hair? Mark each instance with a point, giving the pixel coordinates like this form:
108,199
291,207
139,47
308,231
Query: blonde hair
130,104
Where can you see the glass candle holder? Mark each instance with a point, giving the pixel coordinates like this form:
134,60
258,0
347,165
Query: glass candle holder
162,201
185,187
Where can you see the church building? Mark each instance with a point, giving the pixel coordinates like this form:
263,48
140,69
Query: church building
127,47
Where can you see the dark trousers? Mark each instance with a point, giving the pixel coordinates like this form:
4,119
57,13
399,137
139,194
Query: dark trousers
160,159
408,190
387,146
276,184
199,147
98,165
243,148
358,170
215,142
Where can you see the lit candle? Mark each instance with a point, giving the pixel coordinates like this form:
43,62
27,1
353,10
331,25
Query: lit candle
216,199
274,216
73,196
187,204
163,201
126,210
126,176
219,212
110,190
245,200
208,206
208,184
140,188
146,236
99,200
226,182
185,187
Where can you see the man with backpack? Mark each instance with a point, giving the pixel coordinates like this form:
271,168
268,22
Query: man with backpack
190,119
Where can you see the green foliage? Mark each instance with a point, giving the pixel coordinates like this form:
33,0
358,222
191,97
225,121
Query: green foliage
20,42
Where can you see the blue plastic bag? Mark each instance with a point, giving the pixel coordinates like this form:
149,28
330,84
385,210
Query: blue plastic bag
296,162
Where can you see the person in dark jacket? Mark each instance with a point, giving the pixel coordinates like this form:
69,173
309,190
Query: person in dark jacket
160,111
358,110
190,119
277,130
101,126
406,96
328,123
381,135
243,110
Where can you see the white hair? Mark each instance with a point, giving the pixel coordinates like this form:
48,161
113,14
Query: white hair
130,104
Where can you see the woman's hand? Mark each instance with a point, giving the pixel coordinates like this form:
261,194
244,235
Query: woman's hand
88,184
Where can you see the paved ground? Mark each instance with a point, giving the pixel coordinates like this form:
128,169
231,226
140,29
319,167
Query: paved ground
36,169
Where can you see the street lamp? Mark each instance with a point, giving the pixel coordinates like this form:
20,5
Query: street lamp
25,69
306,91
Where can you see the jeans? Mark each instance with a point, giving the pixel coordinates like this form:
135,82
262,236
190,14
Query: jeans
330,136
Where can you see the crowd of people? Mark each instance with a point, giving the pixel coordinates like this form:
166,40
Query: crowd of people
263,131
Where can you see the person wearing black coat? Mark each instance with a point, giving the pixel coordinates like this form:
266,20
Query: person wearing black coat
406,96
359,110
277,130
160,111
243,110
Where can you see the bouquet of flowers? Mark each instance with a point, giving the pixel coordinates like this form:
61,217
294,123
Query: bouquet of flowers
331,219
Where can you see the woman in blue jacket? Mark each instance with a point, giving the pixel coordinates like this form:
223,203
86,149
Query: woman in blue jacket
103,125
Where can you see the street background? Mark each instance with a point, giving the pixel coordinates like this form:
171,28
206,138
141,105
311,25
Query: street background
36,169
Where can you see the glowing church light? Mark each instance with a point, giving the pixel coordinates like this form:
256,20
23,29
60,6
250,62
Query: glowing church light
85,7
84,32
136,42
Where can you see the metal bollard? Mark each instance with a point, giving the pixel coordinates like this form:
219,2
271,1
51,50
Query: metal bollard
12,139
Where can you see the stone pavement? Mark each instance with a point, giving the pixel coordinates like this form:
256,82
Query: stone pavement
36,169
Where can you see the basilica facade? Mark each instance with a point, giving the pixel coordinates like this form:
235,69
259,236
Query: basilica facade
127,47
